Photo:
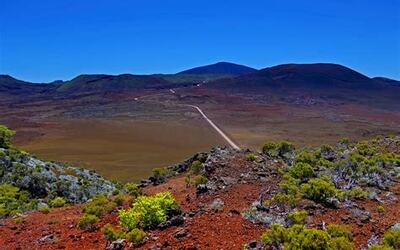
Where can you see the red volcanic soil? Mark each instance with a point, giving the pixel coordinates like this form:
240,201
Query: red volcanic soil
208,230
205,228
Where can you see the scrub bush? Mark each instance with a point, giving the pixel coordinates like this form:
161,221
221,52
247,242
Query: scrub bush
148,211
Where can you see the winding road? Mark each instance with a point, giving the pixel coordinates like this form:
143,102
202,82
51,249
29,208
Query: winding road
231,143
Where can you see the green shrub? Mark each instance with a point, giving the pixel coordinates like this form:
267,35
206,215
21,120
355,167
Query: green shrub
159,172
337,231
306,156
19,220
98,206
275,236
366,149
380,209
300,237
392,239
87,221
119,199
250,156
57,202
273,149
200,179
379,247
115,192
298,217
325,163
310,239
148,211
44,209
133,190
14,201
319,190
5,136
112,234
302,171
196,167
269,148
285,147
188,179
289,194
136,236
341,243
356,193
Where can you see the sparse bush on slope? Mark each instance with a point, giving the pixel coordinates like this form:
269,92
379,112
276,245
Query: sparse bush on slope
300,237
148,211
5,136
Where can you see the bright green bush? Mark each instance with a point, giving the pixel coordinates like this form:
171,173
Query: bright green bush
14,201
5,136
250,156
136,236
44,209
112,234
98,206
302,171
356,193
275,236
57,202
306,156
319,190
148,211
133,190
300,237
87,221
298,217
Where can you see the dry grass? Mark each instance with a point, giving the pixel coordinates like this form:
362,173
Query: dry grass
122,149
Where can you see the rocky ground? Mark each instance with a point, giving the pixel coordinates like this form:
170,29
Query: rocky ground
236,199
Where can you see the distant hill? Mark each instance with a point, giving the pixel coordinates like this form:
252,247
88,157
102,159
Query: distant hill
308,76
220,68
110,83
223,75
10,85
386,80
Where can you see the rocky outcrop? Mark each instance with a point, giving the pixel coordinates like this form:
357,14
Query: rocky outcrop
46,180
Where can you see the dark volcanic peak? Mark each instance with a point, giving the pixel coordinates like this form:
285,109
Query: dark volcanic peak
309,76
318,73
386,80
10,85
220,68
110,83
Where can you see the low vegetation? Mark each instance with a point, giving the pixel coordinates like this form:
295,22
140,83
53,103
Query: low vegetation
57,202
391,241
148,211
14,201
299,237
5,136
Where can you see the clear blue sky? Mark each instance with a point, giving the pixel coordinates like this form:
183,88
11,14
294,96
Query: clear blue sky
59,39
